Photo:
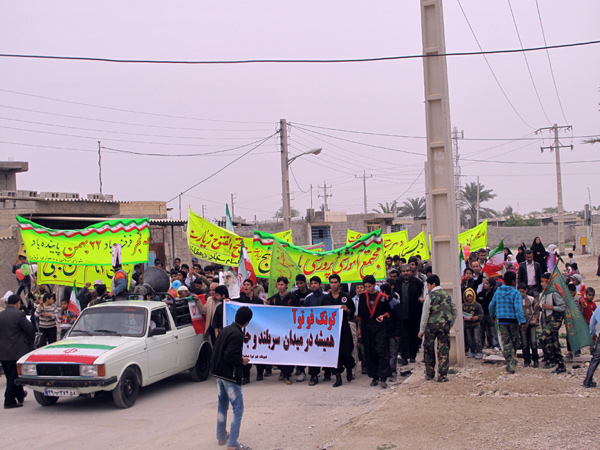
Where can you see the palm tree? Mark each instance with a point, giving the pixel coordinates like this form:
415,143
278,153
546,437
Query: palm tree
387,208
413,207
468,199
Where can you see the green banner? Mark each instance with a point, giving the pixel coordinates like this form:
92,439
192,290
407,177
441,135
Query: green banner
91,246
578,331
352,263
282,265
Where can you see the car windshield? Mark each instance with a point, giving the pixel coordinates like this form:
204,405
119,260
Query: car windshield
111,321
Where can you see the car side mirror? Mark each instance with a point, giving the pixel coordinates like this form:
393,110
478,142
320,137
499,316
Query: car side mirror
157,331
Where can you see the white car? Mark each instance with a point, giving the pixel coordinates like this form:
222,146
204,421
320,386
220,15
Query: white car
117,347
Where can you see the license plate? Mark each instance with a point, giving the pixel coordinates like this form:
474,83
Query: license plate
64,392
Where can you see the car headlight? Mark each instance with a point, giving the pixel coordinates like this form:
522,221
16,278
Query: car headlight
92,370
28,369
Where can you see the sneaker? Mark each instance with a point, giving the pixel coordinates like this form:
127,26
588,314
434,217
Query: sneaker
268,372
549,365
298,372
591,385
510,369
443,379
469,355
383,385
375,382
560,369
301,377
287,380
429,377
413,360
536,364
526,364
327,377
403,362
393,379
496,349
259,377
245,380
478,355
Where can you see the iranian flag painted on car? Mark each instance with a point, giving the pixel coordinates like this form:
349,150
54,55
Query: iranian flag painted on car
495,263
69,353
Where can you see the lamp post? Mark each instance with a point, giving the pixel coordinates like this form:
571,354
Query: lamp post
285,173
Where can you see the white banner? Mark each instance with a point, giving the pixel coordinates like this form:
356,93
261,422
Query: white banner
290,336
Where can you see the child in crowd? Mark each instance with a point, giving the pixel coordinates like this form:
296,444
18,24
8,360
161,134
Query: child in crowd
66,317
472,315
531,311
587,304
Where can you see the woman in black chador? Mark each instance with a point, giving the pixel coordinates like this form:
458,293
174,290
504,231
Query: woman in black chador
539,253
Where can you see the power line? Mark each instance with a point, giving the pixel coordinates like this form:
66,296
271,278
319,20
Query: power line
129,110
289,61
550,62
119,122
412,184
224,167
532,162
490,67
537,94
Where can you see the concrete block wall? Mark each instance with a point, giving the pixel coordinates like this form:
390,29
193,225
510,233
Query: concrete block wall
154,210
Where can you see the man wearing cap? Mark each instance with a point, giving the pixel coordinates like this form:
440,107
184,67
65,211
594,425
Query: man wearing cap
84,296
16,339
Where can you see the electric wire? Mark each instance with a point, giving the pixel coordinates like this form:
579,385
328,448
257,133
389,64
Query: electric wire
490,67
550,62
537,94
412,184
290,61
224,167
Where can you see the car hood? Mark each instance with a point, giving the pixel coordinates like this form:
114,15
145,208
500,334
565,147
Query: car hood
80,349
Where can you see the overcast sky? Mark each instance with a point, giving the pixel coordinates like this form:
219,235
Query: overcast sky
53,112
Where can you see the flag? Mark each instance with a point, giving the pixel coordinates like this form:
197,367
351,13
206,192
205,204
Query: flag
73,302
228,221
245,269
462,263
495,263
198,321
578,331
282,265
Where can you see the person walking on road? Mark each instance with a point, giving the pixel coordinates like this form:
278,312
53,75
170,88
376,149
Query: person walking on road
16,339
227,366
439,315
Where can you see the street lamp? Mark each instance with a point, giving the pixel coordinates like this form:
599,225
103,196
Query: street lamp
285,174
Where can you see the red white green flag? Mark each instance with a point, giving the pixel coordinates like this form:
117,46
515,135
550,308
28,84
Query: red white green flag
495,263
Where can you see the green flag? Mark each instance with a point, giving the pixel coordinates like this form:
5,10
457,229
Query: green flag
282,265
578,331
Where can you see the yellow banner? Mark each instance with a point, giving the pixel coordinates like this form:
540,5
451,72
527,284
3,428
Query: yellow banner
476,237
352,262
416,246
392,242
212,243
67,275
93,245
285,236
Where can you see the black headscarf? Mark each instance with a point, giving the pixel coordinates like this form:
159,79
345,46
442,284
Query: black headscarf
539,254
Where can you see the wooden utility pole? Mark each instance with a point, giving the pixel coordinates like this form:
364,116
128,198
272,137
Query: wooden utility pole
441,197
556,148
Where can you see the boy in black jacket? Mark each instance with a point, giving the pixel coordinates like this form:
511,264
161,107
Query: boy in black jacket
226,365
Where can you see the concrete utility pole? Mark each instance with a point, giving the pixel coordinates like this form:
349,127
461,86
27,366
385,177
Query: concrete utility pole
204,211
311,203
364,177
441,198
285,177
456,135
232,207
557,147
180,204
100,165
325,195
478,190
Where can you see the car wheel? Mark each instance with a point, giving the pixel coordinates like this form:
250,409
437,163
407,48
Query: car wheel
44,400
126,392
201,370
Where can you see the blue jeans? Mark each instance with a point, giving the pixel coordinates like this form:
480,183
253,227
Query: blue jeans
229,393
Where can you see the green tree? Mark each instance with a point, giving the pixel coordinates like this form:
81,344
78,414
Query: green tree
550,210
468,200
387,208
508,211
413,207
279,213
517,220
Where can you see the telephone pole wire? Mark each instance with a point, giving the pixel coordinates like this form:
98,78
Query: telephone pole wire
364,177
561,218
325,195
